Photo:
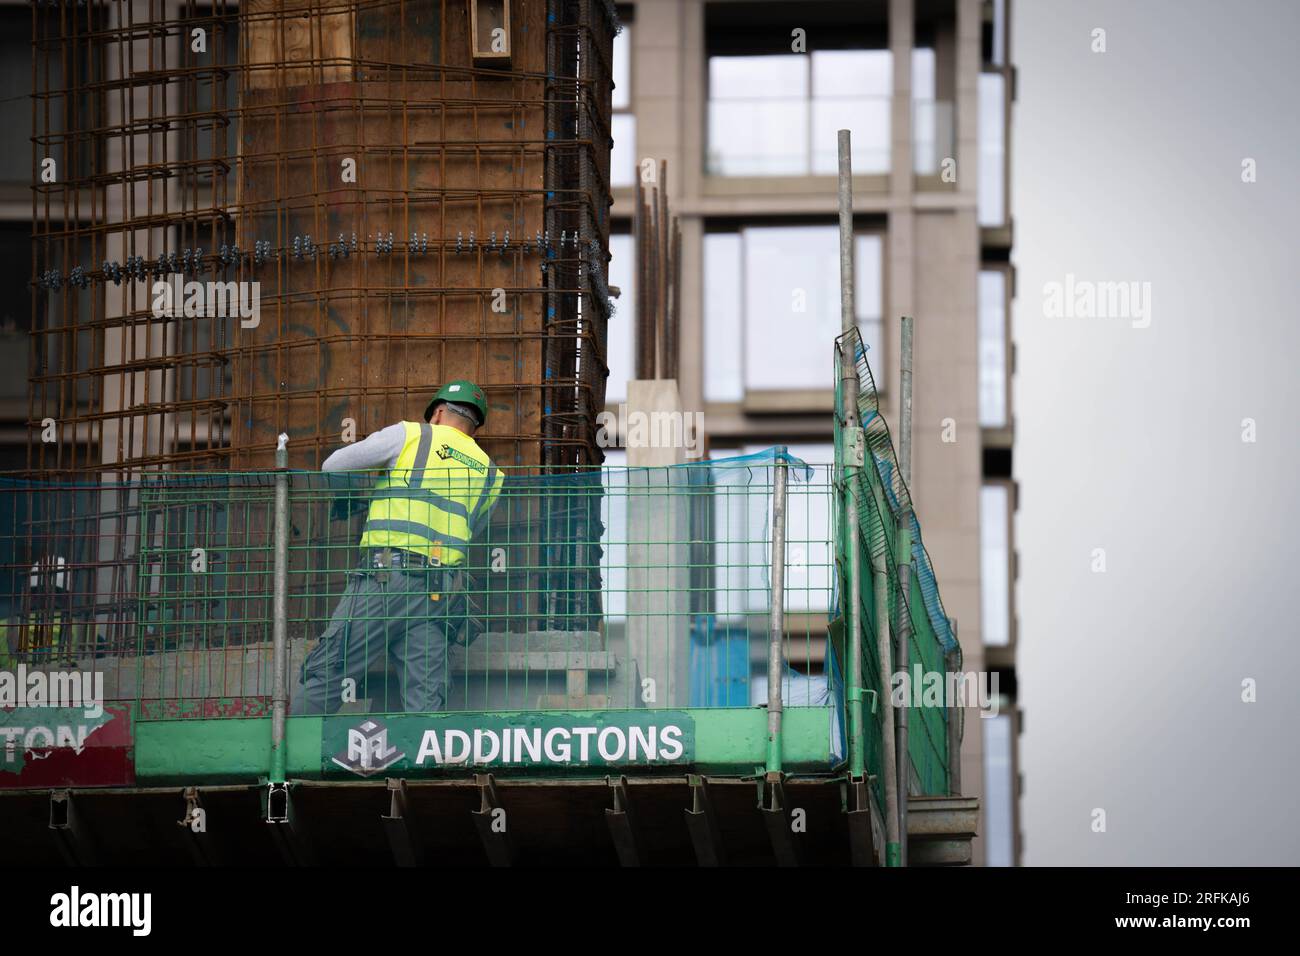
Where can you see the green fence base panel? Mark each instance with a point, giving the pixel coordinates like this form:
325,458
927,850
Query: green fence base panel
722,741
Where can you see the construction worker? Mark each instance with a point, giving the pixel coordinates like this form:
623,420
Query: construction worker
44,632
406,598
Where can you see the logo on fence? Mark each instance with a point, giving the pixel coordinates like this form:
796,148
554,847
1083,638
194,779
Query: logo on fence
368,752
438,741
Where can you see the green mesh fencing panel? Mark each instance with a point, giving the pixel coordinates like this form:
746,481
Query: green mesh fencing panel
583,586
882,499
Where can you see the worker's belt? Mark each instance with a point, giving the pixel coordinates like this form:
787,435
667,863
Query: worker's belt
396,559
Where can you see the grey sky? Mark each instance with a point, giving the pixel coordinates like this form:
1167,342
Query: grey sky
1127,166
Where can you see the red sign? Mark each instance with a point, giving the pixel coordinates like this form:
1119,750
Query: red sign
62,747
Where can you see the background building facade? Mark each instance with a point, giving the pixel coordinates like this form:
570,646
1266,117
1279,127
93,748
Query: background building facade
743,100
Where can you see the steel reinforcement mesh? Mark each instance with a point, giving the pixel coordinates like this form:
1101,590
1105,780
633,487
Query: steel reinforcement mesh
401,192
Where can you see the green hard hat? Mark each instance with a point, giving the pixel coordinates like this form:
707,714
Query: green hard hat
461,392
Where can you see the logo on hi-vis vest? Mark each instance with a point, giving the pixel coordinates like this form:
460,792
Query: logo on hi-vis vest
446,451
368,752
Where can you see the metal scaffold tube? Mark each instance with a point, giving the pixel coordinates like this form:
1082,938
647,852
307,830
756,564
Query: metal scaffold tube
954,724
849,398
905,578
279,614
888,770
775,659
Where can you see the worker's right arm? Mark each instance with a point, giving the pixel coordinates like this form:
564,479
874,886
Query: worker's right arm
379,450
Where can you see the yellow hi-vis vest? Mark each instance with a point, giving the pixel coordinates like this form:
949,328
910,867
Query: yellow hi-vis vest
436,496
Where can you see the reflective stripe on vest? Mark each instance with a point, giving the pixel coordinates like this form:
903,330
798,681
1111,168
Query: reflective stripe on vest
424,502
484,496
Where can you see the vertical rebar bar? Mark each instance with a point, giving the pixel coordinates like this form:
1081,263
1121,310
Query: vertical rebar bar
776,622
279,613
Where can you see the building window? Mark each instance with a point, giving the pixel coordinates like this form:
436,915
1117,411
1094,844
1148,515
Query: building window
933,129
999,790
777,114
772,307
993,147
613,539
622,162
869,301
995,564
621,340
741,529
15,308
15,105
723,317
993,348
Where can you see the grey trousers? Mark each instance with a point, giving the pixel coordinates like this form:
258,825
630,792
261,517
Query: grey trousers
386,617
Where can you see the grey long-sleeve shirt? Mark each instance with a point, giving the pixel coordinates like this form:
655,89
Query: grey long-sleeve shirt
380,450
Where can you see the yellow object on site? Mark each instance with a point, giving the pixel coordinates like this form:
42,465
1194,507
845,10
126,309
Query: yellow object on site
433,499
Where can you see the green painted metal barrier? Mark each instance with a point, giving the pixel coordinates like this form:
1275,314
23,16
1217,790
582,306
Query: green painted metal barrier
881,497
603,589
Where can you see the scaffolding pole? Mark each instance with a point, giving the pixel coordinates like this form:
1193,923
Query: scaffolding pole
852,431
775,662
905,578
280,614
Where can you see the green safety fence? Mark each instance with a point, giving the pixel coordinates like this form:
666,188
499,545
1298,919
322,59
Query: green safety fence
591,589
883,502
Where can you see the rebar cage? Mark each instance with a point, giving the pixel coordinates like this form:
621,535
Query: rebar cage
401,201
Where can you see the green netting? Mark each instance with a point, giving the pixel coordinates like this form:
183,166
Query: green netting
882,500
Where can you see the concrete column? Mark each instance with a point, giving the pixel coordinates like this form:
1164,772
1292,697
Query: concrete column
658,551
969,31
690,345
900,262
